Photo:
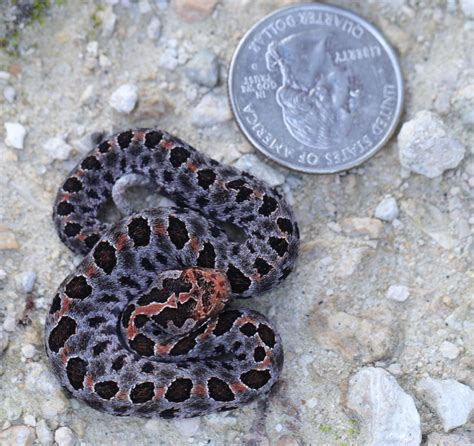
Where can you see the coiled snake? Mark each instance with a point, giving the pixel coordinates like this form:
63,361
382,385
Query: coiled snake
142,326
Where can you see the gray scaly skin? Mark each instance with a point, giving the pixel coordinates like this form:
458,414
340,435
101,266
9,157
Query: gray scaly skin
141,327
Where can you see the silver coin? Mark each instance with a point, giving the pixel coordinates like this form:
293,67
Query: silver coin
316,88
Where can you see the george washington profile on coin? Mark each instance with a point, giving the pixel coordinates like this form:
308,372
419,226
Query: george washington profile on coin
317,98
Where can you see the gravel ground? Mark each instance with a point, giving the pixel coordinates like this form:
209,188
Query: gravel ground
377,319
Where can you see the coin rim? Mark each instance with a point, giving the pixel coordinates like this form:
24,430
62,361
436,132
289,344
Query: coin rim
379,37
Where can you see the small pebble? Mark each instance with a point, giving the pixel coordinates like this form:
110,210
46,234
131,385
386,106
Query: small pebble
203,69
87,94
449,350
28,351
452,401
3,274
169,58
57,148
153,29
28,279
9,93
65,437
92,48
467,7
194,10
387,209
109,20
253,164
29,420
124,99
15,135
426,147
399,293
212,109
9,323
4,76
7,239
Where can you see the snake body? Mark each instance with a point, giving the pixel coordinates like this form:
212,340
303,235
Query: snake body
143,327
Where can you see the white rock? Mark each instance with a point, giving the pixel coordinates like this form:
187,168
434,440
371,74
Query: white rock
124,99
153,29
109,20
203,69
387,209
57,148
188,426
169,58
87,94
44,434
29,420
212,109
452,401
388,414
9,323
426,147
65,437
19,435
104,61
15,135
28,351
9,93
4,76
399,293
449,350
3,274
28,279
3,341
467,7
92,48
252,164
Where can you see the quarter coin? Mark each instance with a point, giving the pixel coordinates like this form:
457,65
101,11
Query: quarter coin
316,88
